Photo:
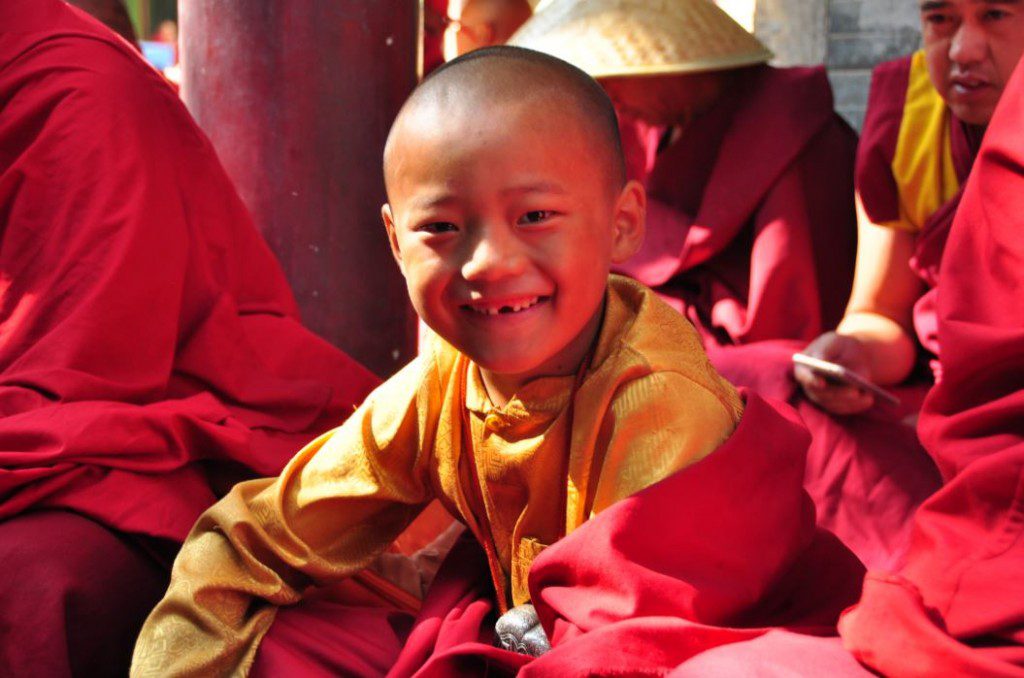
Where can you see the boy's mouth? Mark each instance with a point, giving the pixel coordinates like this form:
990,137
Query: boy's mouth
485,307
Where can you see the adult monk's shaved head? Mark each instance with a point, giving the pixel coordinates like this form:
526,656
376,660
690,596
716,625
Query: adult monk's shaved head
496,80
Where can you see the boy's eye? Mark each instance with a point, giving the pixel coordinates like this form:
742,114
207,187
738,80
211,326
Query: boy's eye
436,227
535,217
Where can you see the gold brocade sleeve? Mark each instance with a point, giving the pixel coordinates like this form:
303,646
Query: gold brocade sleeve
337,504
657,426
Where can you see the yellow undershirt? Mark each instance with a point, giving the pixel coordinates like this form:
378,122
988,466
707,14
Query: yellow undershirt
923,163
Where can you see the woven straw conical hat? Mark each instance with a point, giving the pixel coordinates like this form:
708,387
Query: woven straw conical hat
609,38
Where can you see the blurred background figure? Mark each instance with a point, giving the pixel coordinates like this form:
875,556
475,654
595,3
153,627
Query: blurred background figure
473,24
435,25
161,50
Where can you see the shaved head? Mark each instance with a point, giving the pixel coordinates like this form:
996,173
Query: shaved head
496,79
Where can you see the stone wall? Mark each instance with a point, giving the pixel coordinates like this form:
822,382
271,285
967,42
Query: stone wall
862,33
848,36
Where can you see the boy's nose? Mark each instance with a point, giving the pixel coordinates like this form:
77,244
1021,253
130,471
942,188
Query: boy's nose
495,254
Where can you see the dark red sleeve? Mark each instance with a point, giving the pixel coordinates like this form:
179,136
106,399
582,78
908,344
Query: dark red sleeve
874,180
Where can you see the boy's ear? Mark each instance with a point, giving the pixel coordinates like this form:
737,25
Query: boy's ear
630,219
389,225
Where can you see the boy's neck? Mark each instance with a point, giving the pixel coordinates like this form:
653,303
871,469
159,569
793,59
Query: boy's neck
501,387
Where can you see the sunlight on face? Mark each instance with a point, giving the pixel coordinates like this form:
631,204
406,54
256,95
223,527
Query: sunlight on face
503,221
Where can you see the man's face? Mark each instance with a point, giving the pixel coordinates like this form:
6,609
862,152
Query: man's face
503,221
971,48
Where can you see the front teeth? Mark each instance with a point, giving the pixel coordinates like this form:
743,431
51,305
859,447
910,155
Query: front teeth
514,308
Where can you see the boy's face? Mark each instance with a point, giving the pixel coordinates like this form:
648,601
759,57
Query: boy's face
971,48
504,221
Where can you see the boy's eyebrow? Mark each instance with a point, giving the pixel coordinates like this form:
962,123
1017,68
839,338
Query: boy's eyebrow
535,187
430,201
445,199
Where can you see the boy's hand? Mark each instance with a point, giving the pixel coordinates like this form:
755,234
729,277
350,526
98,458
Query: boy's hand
833,396
519,630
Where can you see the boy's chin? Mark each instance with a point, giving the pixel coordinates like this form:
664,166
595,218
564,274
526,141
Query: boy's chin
507,366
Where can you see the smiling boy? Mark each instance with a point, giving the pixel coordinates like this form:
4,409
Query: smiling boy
550,392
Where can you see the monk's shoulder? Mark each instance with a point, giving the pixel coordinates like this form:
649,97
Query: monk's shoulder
796,103
79,62
804,92
879,136
890,78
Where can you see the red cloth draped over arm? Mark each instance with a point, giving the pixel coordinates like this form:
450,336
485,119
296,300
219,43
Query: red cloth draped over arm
144,324
718,553
713,555
957,607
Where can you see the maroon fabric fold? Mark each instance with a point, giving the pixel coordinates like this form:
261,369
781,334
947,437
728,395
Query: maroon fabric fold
73,596
150,348
956,606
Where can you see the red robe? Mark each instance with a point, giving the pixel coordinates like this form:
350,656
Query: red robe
145,327
957,606
751,230
868,473
719,553
150,349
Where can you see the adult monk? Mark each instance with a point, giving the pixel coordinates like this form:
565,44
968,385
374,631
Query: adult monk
150,350
925,118
750,230
957,606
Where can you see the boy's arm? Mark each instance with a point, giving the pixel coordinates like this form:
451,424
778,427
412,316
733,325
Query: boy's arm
658,425
337,504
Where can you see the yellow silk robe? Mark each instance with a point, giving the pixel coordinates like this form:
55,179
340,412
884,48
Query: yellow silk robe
649,405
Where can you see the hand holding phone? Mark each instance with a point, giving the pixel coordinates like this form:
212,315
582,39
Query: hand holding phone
837,373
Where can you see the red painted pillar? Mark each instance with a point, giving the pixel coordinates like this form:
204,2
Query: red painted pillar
298,97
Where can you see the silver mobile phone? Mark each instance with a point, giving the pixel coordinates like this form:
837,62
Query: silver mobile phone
837,372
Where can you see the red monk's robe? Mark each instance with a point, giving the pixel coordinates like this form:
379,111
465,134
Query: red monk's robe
144,324
868,473
751,229
721,552
957,606
150,349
